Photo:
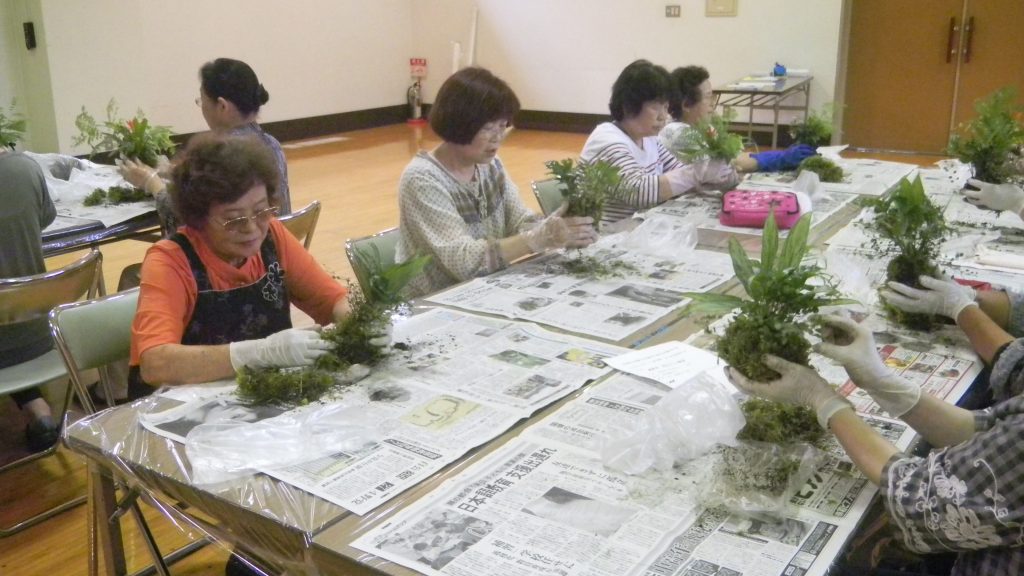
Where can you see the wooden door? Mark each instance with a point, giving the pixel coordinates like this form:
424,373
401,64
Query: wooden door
992,53
900,76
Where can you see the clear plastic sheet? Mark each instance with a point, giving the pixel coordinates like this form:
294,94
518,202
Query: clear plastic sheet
664,436
757,478
658,235
268,518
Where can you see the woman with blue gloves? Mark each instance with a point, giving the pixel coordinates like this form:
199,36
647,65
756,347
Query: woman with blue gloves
694,103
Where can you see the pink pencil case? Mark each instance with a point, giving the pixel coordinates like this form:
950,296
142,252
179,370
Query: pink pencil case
750,208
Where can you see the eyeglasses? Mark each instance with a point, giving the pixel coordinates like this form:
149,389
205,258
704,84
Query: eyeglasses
241,224
496,131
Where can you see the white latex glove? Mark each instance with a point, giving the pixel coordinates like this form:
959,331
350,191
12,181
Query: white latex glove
798,385
352,374
383,335
996,196
941,296
558,232
686,178
720,176
852,345
290,347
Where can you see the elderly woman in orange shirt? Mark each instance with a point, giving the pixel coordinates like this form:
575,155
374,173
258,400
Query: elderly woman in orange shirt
215,296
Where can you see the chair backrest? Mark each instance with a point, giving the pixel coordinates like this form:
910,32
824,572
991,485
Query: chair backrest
548,193
302,223
30,297
94,334
385,243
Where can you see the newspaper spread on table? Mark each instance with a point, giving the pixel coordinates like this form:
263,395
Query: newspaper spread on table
462,381
540,290
703,212
544,504
71,179
862,176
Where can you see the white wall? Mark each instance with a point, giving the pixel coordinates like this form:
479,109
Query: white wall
319,57
564,55
315,57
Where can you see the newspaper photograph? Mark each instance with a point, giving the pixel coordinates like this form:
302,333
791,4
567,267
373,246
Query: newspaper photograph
460,381
541,291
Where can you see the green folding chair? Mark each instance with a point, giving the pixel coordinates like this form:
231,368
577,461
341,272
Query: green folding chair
548,193
380,245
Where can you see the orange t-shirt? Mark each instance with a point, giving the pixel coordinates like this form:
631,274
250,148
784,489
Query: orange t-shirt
168,290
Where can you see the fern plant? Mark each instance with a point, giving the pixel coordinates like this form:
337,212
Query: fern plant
12,127
910,229
783,292
586,186
132,138
815,130
991,142
709,139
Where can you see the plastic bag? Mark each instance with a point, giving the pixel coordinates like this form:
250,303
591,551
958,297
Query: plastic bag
757,477
227,449
686,423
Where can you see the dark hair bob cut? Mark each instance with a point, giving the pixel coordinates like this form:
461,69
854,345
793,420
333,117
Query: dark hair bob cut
687,81
234,81
216,169
469,99
637,84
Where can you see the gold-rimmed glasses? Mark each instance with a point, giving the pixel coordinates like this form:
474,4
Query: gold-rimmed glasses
241,224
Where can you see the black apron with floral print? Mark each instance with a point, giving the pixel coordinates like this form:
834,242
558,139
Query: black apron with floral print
224,316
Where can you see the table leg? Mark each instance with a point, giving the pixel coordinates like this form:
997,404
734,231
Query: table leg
775,122
105,535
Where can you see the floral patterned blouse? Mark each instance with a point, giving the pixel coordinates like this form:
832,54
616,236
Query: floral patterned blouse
969,498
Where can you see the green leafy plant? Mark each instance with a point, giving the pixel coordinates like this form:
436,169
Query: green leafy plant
784,291
12,126
992,142
910,229
115,195
709,139
815,130
350,338
583,266
132,138
586,186
827,170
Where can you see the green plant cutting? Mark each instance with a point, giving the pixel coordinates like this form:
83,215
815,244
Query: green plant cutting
783,292
910,229
827,170
586,186
351,338
114,195
815,130
132,138
708,139
992,141
12,127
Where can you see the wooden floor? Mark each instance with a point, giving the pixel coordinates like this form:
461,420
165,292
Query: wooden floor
356,180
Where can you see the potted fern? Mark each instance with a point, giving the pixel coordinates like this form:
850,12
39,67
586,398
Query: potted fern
351,339
131,138
992,142
815,130
910,229
783,293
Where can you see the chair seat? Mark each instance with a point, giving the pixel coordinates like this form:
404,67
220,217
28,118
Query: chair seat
36,372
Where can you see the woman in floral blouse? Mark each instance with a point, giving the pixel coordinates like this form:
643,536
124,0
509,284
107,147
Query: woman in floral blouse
457,204
967,494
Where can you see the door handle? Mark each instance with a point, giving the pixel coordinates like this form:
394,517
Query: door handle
950,46
969,31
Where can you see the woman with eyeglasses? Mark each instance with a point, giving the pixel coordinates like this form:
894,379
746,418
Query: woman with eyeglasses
457,204
215,296
651,174
230,96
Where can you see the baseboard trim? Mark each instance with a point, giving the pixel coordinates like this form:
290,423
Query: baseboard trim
559,121
316,126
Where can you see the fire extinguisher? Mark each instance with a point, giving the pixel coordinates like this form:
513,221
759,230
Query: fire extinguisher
415,103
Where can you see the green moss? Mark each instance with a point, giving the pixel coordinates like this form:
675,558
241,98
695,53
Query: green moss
826,169
282,387
779,423
95,198
584,266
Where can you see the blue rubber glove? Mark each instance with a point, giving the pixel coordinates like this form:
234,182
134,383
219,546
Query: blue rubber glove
788,159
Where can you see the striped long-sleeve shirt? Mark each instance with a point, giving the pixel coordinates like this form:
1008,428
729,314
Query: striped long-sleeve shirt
640,166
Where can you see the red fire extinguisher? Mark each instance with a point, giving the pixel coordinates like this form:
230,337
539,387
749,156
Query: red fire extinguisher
413,97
